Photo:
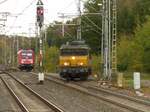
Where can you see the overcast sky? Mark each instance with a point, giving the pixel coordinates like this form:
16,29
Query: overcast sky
22,23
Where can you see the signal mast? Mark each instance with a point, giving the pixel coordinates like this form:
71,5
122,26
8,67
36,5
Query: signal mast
40,21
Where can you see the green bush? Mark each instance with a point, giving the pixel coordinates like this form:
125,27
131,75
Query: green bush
51,59
96,64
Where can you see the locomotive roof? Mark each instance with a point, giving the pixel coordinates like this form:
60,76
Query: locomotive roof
27,50
74,47
24,50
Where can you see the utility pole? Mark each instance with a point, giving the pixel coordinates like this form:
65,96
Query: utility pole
62,15
79,37
109,32
40,20
105,38
63,27
30,37
79,21
10,53
13,52
4,16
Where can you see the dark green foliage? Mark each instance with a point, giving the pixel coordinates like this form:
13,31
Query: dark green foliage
134,52
91,25
146,57
126,21
54,35
132,13
51,59
142,38
124,53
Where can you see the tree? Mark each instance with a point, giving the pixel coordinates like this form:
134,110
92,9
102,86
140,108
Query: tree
51,59
134,52
54,34
132,13
124,53
142,39
91,25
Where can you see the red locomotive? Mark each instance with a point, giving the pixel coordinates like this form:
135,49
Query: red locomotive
26,59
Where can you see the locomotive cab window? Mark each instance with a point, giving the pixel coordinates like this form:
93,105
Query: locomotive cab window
23,55
26,55
76,52
29,55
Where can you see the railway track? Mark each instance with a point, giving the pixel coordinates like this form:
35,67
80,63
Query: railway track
7,102
27,99
124,101
69,99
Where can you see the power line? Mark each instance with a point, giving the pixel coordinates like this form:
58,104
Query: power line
68,5
28,6
31,3
92,28
3,1
89,5
93,23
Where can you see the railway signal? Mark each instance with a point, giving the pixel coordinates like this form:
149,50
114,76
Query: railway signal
40,20
40,13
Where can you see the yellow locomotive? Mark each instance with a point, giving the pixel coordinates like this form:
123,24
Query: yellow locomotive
74,60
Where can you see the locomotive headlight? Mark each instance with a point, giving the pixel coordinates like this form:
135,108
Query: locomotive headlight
80,64
66,64
73,58
31,61
22,61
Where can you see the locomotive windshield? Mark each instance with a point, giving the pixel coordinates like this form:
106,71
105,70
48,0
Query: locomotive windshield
74,52
26,54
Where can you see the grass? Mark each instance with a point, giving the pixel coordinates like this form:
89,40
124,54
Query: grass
96,64
129,75
129,83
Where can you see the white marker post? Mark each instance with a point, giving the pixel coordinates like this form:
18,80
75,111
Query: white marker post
137,82
41,78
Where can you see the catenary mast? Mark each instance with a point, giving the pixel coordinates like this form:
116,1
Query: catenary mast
109,30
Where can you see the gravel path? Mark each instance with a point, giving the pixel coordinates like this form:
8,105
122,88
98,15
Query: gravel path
69,99
127,91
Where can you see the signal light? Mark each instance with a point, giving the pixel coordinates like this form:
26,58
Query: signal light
40,15
40,11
